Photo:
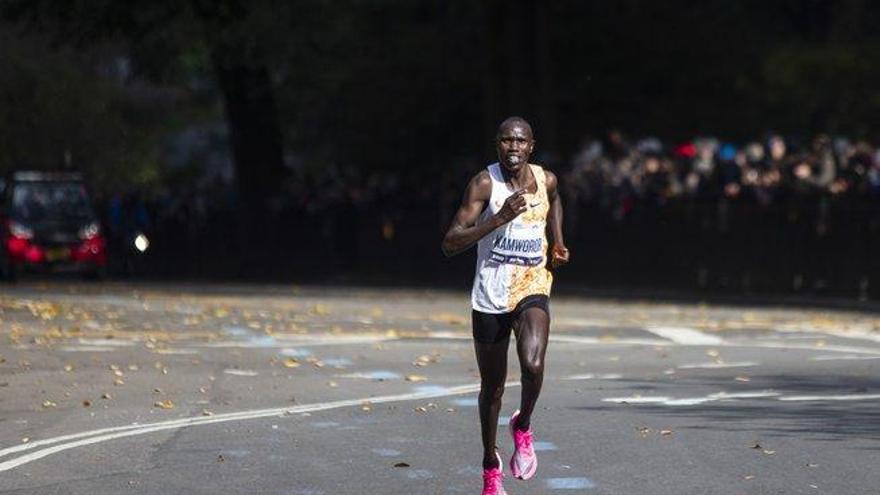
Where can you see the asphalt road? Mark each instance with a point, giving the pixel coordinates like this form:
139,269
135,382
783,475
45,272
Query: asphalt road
114,389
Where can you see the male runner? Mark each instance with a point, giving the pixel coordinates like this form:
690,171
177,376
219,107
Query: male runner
506,210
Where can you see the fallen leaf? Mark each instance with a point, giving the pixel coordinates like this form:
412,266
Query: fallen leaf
401,465
68,368
416,378
424,360
206,412
332,384
742,379
106,396
769,452
48,403
87,403
164,404
420,409
666,433
291,363
750,477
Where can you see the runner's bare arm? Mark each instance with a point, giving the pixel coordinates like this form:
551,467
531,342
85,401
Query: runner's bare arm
464,232
559,253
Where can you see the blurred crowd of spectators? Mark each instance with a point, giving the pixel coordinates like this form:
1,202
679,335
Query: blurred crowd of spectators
617,173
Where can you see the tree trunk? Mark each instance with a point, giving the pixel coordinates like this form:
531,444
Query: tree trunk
254,129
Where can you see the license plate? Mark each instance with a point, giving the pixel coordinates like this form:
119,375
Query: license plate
57,254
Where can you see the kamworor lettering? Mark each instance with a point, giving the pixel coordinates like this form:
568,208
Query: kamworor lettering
519,245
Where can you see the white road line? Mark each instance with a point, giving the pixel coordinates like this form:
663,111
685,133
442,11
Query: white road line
693,401
106,434
297,341
807,347
685,335
845,357
817,398
714,365
574,339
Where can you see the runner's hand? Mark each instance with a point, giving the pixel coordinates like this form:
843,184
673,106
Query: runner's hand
558,255
514,205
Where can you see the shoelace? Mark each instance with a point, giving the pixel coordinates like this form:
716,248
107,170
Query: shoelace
524,440
492,480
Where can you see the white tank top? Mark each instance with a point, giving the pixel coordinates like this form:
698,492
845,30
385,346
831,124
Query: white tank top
511,260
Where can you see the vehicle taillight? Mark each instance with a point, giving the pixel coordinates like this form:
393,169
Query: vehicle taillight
18,243
17,230
16,246
92,250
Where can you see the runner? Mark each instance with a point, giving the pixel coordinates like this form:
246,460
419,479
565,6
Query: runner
506,210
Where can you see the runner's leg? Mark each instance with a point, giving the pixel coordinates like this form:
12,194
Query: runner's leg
532,331
492,361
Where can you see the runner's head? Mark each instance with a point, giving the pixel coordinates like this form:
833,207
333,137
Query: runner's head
514,143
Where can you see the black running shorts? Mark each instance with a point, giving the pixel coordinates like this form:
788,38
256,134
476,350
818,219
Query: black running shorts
492,328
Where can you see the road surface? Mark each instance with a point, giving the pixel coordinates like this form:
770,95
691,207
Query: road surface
156,389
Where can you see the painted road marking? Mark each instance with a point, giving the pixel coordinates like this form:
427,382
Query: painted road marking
106,434
574,339
845,357
816,398
595,376
714,365
723,396
692,401
570,484
685,335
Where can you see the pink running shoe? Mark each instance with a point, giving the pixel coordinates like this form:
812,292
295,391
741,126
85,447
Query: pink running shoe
492,479
524,462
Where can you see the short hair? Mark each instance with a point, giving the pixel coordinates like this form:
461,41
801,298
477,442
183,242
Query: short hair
512,121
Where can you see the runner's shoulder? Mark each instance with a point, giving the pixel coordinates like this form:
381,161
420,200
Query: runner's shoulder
550,180
481,184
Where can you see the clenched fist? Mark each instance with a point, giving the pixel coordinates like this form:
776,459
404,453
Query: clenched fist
558,255
514,205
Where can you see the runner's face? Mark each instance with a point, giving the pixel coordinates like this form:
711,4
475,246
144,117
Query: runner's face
514,146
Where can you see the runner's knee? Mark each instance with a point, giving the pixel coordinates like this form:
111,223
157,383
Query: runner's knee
492,391
532,366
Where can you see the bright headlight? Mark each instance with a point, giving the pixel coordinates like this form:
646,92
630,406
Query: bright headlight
141,243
